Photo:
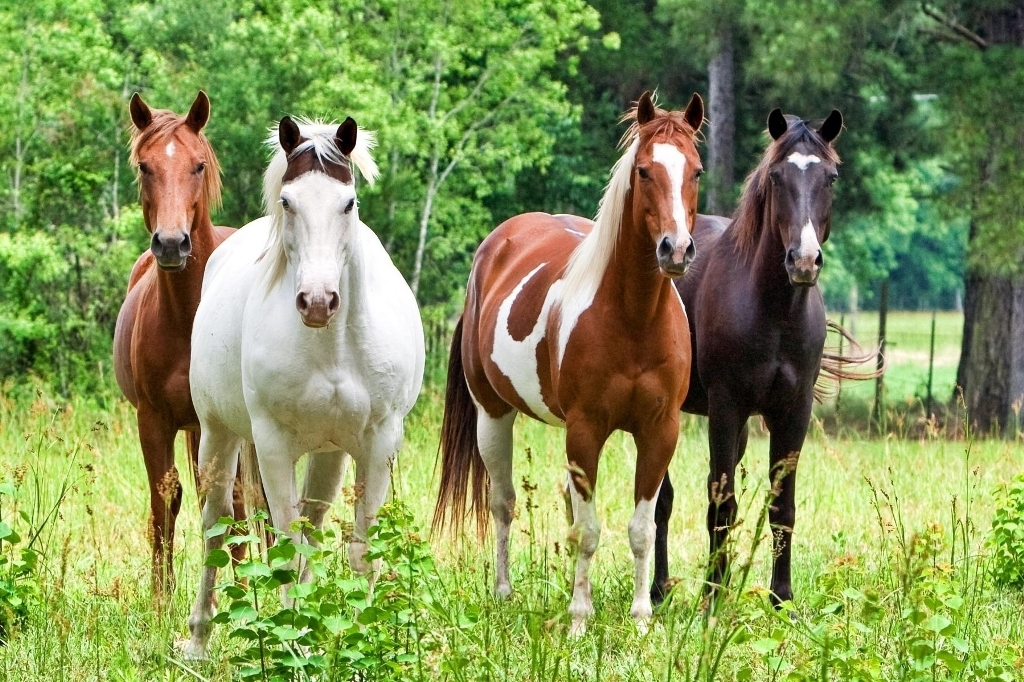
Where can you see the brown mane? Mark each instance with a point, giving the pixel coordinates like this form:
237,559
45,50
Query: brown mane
165,123
750,214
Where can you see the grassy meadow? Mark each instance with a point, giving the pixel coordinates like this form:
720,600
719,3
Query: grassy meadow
890,567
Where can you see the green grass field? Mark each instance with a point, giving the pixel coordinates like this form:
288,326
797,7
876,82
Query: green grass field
889,565
907,354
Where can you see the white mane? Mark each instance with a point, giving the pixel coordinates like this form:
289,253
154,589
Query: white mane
588,262
321,136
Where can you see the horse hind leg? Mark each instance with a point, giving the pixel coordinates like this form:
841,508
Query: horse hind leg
156,435
324,474
494,437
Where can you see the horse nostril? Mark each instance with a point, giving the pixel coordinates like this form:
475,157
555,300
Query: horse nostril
820,260
301,303
691,251
185,248
664,248
332,305
155,245
790,258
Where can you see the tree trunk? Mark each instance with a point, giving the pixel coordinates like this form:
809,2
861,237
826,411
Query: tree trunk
991,370
722,127
428,206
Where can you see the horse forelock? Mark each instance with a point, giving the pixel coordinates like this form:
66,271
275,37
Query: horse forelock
757,187
164,124
320,138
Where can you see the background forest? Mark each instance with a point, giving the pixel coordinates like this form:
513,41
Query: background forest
488,108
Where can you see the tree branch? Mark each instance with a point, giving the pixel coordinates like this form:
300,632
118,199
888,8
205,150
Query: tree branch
955,26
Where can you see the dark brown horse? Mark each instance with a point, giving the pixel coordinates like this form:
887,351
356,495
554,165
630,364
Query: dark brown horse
757,326
179,183
577,324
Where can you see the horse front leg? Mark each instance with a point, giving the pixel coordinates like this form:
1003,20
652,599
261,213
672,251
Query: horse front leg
787,440
662,515
654,450
583,443
373,478
156,436
725,426
218,459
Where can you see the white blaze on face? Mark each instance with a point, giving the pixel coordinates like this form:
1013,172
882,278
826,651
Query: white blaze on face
517,360
674,161
169,149
809,245
802,161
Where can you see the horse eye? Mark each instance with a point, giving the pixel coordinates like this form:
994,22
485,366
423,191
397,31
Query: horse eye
351,204
284,204
696,176
832,179
642,172
774,177
200,167
144,169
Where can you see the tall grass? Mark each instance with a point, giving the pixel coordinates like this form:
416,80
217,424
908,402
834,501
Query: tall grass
889,568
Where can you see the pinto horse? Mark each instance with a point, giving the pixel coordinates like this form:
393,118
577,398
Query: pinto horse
577,324
179,184
307,340
757,326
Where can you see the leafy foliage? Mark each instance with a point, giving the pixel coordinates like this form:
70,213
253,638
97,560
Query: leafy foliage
18,564
1006,539
333,627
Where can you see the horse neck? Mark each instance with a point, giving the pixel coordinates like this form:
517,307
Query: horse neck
633,281
182,289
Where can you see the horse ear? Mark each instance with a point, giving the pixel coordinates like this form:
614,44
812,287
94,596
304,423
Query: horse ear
346,136
199,113
645,108
140,113
288,134
777,125
832,126
694,113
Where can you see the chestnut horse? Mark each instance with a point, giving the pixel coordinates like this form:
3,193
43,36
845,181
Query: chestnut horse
179,184
757,326
577,324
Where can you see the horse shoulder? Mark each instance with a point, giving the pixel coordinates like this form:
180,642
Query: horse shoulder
143,264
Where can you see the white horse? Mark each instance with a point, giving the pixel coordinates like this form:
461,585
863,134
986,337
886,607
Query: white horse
307,340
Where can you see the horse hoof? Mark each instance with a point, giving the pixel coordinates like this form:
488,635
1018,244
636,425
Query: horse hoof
578,627
502,591
192,650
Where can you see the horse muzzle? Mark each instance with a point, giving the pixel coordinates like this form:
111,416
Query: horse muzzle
803,270
674,256
317,308
171,251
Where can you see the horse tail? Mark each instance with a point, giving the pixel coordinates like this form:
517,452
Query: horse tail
845,365
459,453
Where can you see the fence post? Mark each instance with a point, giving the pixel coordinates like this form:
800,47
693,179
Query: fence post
839,388
931,369
878,413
